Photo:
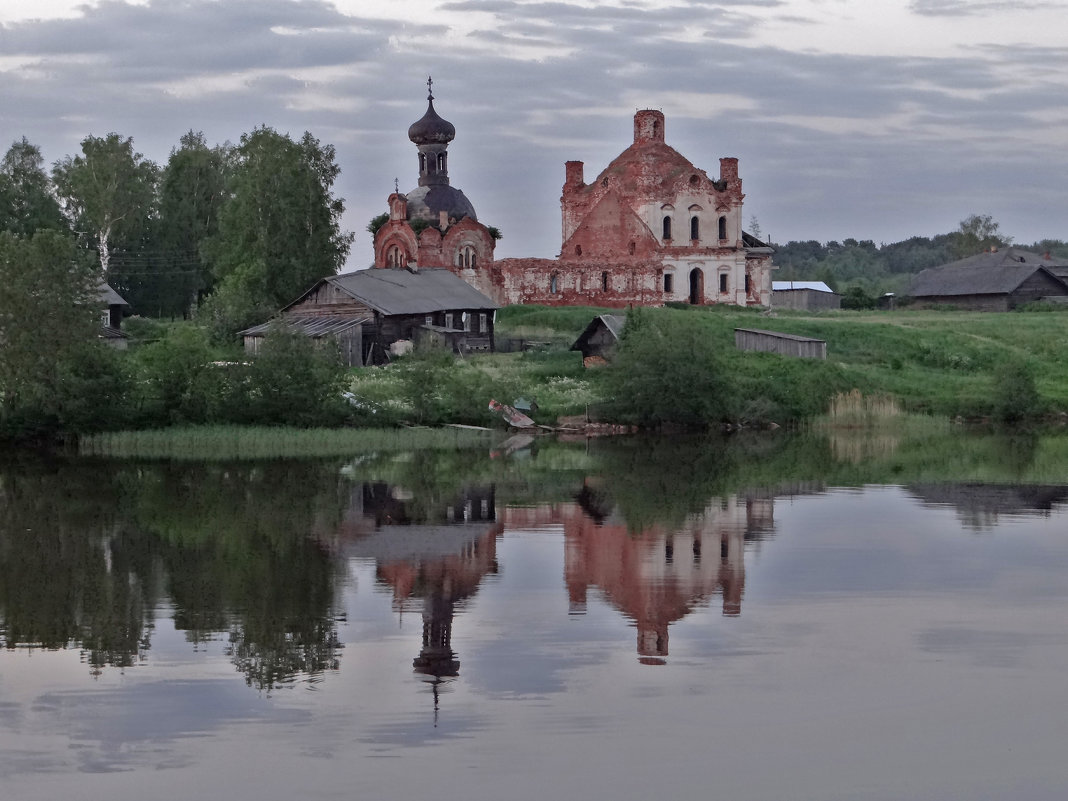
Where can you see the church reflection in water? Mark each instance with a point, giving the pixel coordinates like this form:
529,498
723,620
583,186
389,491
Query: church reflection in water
434,555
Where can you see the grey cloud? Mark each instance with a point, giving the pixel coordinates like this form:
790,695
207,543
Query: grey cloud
519,118
961,8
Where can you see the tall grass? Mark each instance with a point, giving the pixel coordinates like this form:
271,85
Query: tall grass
855,410
246,442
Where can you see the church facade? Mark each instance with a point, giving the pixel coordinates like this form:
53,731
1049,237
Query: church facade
650,228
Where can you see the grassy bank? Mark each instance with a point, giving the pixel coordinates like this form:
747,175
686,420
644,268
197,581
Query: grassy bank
946,363
255,442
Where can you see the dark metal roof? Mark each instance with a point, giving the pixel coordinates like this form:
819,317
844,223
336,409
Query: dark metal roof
109,296
401,291
990,273
430,128
613,322
312,326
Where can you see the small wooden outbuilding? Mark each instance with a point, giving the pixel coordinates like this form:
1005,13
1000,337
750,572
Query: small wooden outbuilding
369,311
598,342
996,280
804,295
778,342
113,305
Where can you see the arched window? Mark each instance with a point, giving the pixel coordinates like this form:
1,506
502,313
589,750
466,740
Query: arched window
722,227
466,257
395,256
667,229
554,283
422,163
441,162
669,283
695,231
604,281
723,283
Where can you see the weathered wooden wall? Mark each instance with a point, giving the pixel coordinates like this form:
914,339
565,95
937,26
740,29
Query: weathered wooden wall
783,344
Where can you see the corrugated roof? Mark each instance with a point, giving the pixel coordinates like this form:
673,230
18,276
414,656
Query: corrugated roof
786,286
613,322
312,326
779,335
990,273
399,291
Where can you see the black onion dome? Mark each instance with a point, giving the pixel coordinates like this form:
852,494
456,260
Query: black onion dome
427,203
431,129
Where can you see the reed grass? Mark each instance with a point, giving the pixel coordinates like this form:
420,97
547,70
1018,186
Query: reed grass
855,410
218,443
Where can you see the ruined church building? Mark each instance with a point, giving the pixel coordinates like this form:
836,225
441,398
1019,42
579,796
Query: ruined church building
649,229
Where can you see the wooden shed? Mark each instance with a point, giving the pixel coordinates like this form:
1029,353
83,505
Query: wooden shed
804,295
598,342
113,305
996,280
778,342
368,311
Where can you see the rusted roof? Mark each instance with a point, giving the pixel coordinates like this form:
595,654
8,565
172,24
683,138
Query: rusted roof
991,273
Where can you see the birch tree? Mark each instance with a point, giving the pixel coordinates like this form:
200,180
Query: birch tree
108,192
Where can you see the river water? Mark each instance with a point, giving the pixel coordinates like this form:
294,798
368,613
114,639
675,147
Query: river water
797,617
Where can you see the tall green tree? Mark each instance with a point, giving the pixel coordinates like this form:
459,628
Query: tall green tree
978,232
27,202
280,230
109,194
49,311
193,188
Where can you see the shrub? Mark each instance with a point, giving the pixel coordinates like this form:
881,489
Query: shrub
1015,396
666,371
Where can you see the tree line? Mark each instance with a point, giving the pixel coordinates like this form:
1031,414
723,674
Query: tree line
226,234
862,271
243,227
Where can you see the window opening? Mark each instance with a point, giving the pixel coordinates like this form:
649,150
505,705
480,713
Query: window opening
722,227
722,282
604,281
667,229
554,284
694,231
669,281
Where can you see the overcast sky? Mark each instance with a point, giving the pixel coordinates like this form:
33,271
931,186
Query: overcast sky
876,120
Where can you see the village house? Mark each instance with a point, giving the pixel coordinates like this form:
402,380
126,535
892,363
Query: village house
995,280
113,305
375,314
649,229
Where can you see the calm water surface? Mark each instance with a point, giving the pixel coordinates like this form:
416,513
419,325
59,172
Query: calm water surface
797,618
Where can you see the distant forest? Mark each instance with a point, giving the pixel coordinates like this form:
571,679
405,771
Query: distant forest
861,271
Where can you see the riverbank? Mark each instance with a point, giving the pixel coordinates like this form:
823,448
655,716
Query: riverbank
946,364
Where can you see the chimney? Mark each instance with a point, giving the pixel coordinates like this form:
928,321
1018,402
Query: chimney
573,174
648,126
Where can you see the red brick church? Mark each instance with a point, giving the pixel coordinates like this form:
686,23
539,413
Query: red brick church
650,228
